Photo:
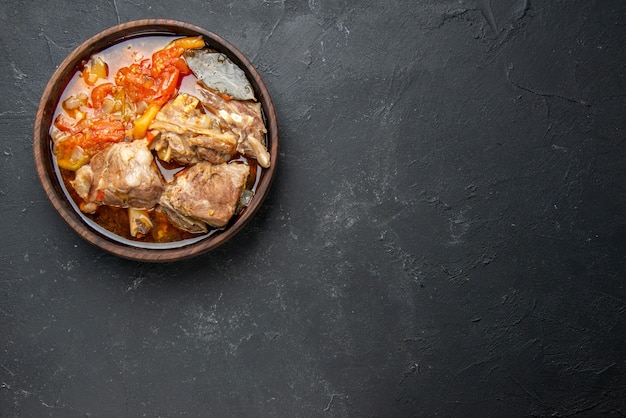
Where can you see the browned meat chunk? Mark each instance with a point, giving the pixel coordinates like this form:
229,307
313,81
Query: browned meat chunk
123,175
204,194
244,118
187,135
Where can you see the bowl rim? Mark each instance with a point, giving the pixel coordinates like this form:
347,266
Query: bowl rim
47,105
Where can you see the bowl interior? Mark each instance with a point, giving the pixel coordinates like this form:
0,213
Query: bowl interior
55,190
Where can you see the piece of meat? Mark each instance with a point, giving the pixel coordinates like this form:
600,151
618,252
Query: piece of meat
244,118
187,135
204,193
123,175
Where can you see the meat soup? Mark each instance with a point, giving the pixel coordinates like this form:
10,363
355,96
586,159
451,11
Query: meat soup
158,139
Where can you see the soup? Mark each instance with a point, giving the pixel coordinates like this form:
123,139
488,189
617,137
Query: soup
157,139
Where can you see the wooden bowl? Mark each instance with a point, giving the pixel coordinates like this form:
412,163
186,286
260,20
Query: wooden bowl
46,167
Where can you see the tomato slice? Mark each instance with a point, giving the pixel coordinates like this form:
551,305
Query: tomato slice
64,123
100,92
171,55
104,131
166,85
136,81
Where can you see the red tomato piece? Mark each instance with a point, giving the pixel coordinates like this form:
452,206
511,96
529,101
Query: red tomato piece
100,92
63,123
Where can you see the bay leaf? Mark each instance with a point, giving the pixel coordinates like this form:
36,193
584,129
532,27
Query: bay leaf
216,71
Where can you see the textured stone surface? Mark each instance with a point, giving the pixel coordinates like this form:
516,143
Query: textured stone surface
446,234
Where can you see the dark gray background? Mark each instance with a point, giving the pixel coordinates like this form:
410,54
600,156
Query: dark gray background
446,234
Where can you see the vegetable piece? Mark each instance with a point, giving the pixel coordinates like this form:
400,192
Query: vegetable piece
64,123
75,101
139,222
95,70
99,93
191,42
150,135
166,84
75,104
171,55
142,123
70,156
218,72
136,80
103,131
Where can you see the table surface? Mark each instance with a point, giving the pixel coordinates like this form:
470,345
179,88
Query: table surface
446,234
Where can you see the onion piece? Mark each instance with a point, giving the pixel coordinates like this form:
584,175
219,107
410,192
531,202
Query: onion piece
139,222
